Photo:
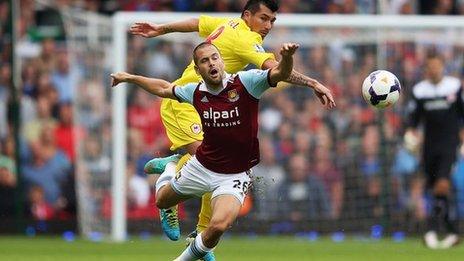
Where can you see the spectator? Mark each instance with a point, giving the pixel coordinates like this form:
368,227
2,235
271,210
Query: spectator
331,178
303,196
268,176
144,116
7,183
63,78
5,74
39,208
33,128
47,58
66,132
48,168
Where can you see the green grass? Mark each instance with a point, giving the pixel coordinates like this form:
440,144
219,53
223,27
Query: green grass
235,248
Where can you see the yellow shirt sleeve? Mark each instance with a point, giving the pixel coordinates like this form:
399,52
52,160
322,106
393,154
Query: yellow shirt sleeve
251,51
207,24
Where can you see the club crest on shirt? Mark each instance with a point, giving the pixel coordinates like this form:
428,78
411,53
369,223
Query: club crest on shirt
259,48
196,128
232,95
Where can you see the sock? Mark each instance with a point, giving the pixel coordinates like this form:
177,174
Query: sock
195,250
439,211
451,220
166,176
205,213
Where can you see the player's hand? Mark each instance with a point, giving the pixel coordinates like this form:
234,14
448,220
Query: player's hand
147,30
288,49
118,78
324,95
411,141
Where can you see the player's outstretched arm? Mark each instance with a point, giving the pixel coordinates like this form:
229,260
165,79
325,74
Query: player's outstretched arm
323,93
154,86
283,70
149,30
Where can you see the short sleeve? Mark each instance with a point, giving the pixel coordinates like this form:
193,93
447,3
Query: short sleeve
185,93
207,24
251,51
255,81
415,111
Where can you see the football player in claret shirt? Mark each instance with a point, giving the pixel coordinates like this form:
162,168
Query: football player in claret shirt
240,43
228,108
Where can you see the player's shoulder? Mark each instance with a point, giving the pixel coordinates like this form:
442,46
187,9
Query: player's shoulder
452,81
190,85
251,73
248,35
425,89
422,89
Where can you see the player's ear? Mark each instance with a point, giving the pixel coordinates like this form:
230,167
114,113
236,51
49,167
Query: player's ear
246,14
197,70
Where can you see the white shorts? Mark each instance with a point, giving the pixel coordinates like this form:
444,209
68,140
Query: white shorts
195,180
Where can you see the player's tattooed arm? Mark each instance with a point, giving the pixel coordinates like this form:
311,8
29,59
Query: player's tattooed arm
153,30
323,93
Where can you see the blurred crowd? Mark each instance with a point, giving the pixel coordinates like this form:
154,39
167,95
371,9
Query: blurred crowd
345,164
288,6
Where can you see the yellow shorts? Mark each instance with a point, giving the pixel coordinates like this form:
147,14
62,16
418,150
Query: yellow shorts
182,123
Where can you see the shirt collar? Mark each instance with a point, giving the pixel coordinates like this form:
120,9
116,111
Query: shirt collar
205,88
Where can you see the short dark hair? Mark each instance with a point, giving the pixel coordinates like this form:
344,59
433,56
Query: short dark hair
253,5
432,55
200,46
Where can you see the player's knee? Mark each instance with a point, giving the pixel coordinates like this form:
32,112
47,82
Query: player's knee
219,226
161,202
442,187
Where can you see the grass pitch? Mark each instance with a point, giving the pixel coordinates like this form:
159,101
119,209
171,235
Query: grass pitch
233,249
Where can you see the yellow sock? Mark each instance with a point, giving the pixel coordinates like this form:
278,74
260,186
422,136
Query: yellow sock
205,213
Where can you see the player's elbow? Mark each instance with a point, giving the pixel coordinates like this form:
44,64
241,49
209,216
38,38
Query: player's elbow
285,74
282,75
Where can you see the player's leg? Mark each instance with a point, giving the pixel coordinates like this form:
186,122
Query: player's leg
183,128
225,211
442,195
227,198
433,219
166,201
191,237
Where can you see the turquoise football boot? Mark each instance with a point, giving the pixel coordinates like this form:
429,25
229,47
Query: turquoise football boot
157,165
170,223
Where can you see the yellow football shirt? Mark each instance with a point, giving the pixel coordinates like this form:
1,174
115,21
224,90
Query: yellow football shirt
239,46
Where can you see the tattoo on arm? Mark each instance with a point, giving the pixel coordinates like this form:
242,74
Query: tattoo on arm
168,29
299,79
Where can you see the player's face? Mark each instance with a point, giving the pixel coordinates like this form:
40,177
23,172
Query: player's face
262,21
210,65
434,69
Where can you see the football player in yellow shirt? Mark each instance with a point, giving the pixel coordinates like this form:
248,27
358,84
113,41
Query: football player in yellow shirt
240,43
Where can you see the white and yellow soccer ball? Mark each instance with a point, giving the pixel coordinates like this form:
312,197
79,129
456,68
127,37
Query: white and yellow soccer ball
381,89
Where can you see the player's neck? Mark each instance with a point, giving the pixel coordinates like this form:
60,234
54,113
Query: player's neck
436,81
216,86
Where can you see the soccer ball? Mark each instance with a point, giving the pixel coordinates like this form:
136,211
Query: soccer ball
381,89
